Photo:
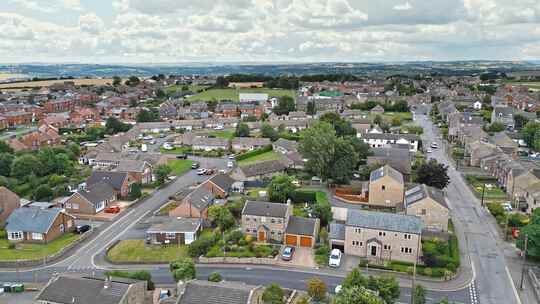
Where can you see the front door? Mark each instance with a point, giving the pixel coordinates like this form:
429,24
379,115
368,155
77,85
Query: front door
374,250
262,236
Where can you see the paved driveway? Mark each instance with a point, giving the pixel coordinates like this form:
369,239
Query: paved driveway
303,257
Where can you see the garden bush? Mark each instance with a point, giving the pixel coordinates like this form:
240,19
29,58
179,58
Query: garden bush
253,153
304,196
215,277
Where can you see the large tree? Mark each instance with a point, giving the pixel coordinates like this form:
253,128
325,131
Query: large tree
357,295
113,126
183,269
280,188
26,165
285,105
146,116
242,130
162,172
432,174
531,135
532,231
6,160
342,126
221,217
267,131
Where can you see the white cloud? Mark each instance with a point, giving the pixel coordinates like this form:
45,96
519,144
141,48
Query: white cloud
90,23
403,7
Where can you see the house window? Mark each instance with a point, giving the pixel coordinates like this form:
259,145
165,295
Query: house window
75,206
37,236
248,230
254,219
383,187
355,243
387,247
170,235
382,233
273,221
406,250
357,230
424,212
407,236
16,235
68,205
62,228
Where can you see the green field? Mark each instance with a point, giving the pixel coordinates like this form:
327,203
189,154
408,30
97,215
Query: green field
35,251
178,88
232,94
226,134
180,166
136,251
176,150
532,85
270,155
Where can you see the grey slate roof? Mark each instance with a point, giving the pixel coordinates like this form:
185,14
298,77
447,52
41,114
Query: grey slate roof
115,179
201,198
301,225
84,290
337,231
130,166
259,208
289,145
97,192
420,192
391,136
32,219
384,221
176,225
262,168
223,181
386,170
205,292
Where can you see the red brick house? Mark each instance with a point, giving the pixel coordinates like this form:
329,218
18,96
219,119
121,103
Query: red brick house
59,105
193,203
220,185
36,225
119,181
18,118
9,201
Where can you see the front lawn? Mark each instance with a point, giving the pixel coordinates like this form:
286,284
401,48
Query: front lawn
25,251
175,150
492,191
136,251
180,166
226,134
270,155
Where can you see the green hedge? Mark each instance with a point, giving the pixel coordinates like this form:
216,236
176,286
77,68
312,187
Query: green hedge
304,196
435,272
253,153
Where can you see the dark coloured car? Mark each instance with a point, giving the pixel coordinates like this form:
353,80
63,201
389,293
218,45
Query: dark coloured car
181,156
287,253
82,229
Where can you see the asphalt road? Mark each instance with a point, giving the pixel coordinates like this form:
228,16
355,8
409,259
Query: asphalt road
482,242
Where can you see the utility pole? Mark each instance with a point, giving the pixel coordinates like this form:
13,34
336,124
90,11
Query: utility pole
524,261
483,191
506,226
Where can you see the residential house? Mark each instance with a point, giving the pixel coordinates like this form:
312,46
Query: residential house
45,136
210,144
265,220
301,231
378,140
378,236
91,200
193,203
504,115
478,150
361,126
377,110
78,289
206,292
250,110
239,144
532,197
139,171
252,97
397,158
519,185
36,225
59,105
504,142
9,201
220,185
259,170
175,231
119,181
386,187
227,109
18,118
285,146
430,205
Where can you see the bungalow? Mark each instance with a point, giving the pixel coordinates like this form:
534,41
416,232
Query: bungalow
119,181
204,292
176,231
285,146
220,185
429,204
91,200
9,202
193,203
378,140
210,144
33,224
239,144
258,171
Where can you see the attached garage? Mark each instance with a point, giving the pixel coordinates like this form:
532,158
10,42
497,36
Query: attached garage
336,235
301,232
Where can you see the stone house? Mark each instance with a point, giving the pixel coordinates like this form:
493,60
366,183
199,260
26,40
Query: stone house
176,231
504,115
386,187
429,204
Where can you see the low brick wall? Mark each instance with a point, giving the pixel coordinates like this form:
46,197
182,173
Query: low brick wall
231,260
49,259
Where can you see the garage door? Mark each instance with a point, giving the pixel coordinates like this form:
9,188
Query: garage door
305,241
290,240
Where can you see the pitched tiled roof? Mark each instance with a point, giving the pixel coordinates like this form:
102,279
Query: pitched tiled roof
114,179
386,170
384,221
32,219
261,168
205,292
176,225
98,192
420,192
265,209
223,181
301,225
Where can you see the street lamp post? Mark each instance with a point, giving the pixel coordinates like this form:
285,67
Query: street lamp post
524,260
414,269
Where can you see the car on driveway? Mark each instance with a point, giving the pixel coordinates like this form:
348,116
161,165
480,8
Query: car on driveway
195,166
82,229
287,253
201,171
181,156
335,258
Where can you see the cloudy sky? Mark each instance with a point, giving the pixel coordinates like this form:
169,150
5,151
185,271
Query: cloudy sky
167,31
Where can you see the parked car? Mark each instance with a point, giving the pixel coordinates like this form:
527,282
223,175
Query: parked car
201,171
230,164
162,135
195,166
181,156
232,156
287,253
209,171
434,145
507,207
152,142
80,229
335,258
113,209
429,151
